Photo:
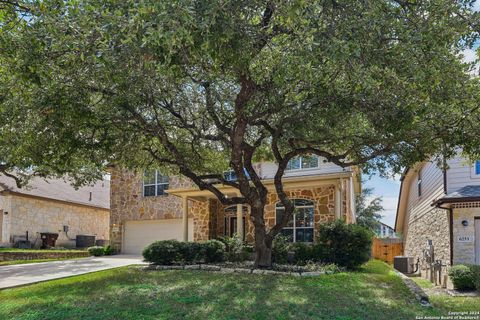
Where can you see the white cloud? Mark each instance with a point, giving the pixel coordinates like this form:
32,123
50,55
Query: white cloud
469,55
390,209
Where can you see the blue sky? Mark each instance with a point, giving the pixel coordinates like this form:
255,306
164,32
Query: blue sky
387,189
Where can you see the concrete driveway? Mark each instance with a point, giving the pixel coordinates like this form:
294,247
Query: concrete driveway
23,274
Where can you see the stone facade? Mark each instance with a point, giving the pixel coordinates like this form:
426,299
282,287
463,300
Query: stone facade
464,236
432,225
44,254
323,197
37,215
128,203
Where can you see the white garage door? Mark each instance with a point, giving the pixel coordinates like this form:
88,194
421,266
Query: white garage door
139,234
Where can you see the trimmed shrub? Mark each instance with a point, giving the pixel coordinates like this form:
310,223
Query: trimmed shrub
303,253
461,276
476,276
281,246
347,245
191,252
233,248
214,251
163,252
108,251
96,251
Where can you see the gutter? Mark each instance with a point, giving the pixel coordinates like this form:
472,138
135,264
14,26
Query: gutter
402,178
438,203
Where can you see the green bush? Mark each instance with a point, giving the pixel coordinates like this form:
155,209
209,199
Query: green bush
214,251
172,251
108,251
461,276
347,245
281,246
476,276
191,252
96,251
303,253
233,248
163,252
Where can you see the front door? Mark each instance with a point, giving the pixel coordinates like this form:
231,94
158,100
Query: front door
233,226
477,240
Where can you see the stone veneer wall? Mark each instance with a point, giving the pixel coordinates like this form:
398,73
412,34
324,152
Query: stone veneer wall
433,225
127,202
322,196
464,252
38,215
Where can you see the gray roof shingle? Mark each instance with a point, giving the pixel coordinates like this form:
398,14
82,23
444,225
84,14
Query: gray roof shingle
465,192
60,189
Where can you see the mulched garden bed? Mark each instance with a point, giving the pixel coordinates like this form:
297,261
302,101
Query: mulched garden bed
247,267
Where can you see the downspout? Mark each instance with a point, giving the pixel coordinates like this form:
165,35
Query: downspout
451,235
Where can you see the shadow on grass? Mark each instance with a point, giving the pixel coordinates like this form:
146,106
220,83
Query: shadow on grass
129,293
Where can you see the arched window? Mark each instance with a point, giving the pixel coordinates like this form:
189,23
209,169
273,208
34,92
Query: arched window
300,226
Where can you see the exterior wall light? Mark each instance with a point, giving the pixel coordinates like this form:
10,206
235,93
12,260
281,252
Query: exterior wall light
465,223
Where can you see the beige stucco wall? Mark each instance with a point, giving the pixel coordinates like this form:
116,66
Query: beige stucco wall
464,251
38,215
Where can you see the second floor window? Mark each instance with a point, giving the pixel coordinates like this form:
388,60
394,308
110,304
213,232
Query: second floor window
419,182
303,162
230,175
477,167
154,183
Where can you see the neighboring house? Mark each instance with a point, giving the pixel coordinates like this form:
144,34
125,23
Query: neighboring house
385,231
149,207
444,207
53,206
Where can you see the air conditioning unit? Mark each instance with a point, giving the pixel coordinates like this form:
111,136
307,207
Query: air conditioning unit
403,264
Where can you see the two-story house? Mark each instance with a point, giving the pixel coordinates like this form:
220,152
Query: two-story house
441,207
148,206
385,231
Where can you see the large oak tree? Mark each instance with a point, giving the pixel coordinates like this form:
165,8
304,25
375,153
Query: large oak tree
196,87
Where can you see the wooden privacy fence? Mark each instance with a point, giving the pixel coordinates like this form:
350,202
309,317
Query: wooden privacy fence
386,249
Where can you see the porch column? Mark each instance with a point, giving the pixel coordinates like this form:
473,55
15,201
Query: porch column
240,221
338,201
185,218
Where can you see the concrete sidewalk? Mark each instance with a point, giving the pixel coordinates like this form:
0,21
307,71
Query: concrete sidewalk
23,274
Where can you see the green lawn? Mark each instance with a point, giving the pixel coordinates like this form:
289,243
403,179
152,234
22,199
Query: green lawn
129,293
445,302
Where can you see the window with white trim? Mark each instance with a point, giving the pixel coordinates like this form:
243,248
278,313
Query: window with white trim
300,226
303,162
230,175
154,183
419,182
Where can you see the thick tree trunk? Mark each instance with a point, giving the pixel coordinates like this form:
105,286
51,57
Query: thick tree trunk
263,242
263,250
